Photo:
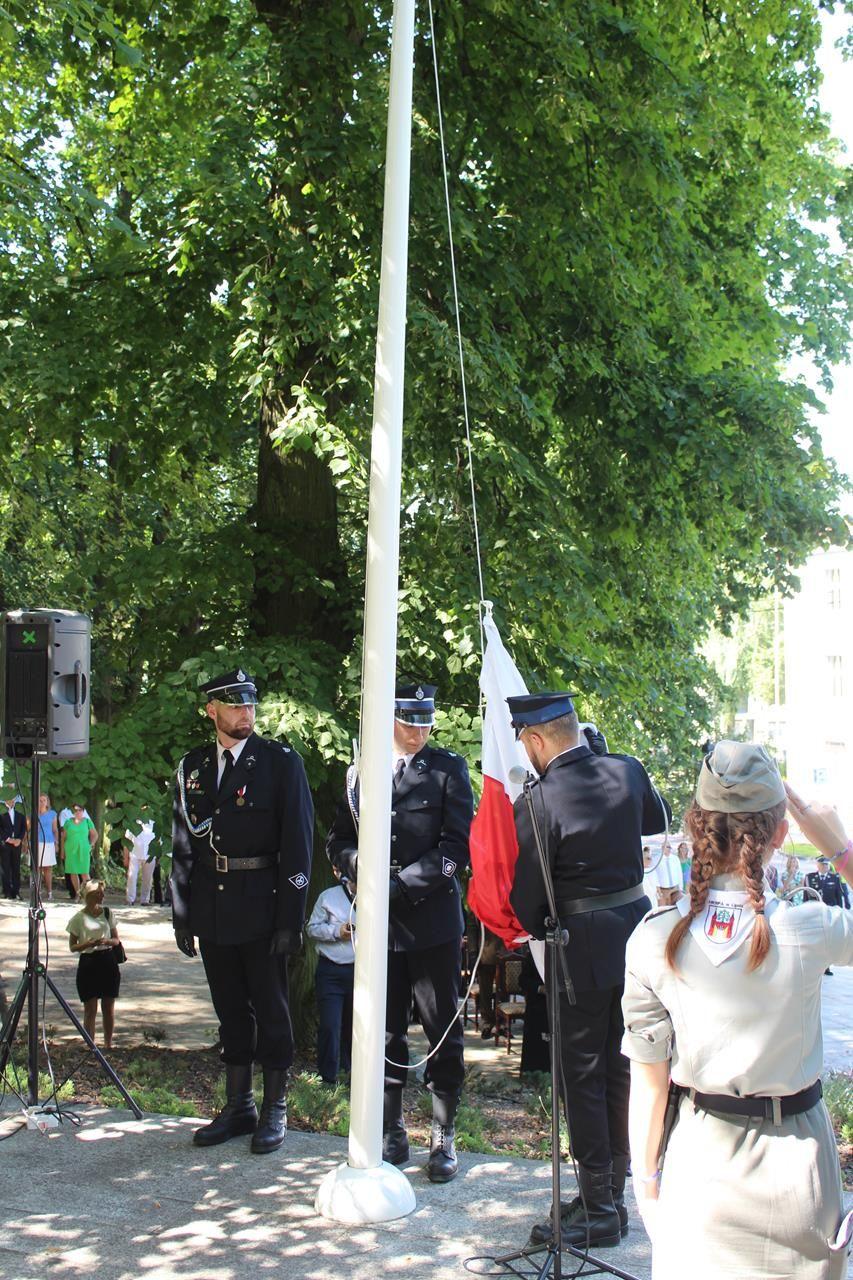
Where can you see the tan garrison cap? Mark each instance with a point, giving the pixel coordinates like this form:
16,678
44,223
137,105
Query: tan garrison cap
739,777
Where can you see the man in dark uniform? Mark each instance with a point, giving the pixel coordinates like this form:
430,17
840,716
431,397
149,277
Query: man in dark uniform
13,830
830,886
241,861
430,823
593,810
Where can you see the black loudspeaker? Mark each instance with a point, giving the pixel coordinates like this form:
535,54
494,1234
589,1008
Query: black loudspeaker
44,699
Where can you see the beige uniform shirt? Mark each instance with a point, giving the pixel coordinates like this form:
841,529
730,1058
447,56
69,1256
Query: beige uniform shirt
728,1030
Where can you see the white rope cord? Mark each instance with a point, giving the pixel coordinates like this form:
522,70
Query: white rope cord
458,322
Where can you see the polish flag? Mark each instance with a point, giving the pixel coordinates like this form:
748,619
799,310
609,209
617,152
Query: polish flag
494,848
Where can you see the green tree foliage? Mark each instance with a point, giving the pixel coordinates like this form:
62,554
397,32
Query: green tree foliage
191,228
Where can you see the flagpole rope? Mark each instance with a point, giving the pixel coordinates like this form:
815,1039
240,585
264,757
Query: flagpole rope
458,327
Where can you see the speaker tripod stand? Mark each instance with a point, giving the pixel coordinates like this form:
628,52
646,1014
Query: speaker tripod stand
35,976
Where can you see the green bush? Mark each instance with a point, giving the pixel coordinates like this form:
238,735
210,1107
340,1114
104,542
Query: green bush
838,1096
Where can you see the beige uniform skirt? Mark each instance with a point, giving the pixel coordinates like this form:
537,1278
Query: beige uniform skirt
745,1199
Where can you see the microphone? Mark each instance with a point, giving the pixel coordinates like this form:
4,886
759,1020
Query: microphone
518,775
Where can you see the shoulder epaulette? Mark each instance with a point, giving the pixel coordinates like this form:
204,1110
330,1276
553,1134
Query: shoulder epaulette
445,751
275,745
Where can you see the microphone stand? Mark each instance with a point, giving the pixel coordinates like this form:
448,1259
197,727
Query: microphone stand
558,980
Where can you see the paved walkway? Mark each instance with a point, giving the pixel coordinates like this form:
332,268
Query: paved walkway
119,1199
163,991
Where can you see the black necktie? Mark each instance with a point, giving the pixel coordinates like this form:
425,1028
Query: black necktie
229,765
399,771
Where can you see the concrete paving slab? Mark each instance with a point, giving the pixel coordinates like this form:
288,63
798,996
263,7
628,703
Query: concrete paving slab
121,1200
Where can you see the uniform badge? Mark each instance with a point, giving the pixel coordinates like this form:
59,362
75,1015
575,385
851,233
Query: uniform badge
299,881
241,675
241,795
193,775
721,923
419,693
250,762
448,868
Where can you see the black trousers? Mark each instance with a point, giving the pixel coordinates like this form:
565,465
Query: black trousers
10,866
596,1076
432,977
248,988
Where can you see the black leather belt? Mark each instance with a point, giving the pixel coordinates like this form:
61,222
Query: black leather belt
578,906
219,862
759,1108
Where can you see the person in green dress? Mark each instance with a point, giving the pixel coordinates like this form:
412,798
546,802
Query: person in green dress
79,837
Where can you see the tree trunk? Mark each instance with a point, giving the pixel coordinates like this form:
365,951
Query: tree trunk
298,566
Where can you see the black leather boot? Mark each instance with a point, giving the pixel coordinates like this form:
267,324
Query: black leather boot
272,1122
238,1117
620,1171
443,1165
541,1233
592,1218
395,1140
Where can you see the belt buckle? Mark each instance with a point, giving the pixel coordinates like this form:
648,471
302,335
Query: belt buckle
776,1105
221,862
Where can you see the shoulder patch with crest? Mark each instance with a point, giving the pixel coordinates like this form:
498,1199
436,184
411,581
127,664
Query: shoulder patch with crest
298,881
448,867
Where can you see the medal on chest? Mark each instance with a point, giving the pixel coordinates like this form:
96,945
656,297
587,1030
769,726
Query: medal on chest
241,796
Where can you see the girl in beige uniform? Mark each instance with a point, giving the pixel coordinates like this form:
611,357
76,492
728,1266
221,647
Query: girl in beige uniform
723,992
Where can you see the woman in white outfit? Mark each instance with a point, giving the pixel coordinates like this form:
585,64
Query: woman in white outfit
723,992
48,839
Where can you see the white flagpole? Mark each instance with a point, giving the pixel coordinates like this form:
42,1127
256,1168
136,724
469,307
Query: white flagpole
365,1189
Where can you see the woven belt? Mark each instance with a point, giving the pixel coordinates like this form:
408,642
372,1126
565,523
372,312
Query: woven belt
579,906
219,862
759,1108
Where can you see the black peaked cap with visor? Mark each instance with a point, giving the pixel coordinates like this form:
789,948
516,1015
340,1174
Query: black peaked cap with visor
234,688
529,709
415,704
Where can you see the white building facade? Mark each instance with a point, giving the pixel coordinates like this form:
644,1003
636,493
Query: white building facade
818,710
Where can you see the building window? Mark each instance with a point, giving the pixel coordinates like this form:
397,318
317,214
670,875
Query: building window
833,588
836,684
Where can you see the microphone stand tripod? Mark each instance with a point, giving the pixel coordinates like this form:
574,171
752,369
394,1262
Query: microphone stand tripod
558,980
36,972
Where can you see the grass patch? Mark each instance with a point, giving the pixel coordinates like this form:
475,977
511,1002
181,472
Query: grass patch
838,1096
316,1106
160,1101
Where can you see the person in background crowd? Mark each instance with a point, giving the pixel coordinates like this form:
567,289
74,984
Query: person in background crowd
486,979
535,1053
830,886
684,856
13,829
242,830
792,878
595,810
723,993
94,937
79,837
48,838
650,874
432,807
670,882
139,860
331,927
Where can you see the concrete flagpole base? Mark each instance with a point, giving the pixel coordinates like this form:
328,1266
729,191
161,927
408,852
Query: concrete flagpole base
365,1195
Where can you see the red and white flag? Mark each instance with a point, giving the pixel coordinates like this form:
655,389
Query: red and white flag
494,848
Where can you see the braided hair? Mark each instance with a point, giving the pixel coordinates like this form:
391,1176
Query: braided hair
728,843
